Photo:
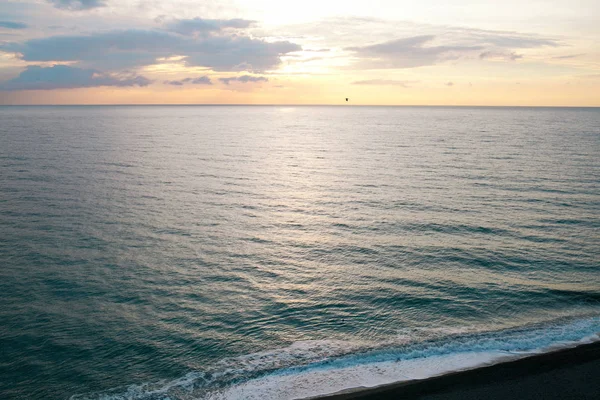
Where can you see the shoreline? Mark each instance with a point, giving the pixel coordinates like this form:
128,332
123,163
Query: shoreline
571,373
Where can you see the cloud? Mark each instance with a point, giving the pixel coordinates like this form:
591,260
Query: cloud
420,44
511,56
198,25
78,5
385,82
354,31
244,79
202,80
109,50
307,60
567,56
502,39
129,49
449,83
238,53
408,52
12,25
65,77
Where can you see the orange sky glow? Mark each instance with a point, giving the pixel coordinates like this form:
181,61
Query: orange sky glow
384,52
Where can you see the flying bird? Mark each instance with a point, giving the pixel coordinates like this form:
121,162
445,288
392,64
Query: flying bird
346,99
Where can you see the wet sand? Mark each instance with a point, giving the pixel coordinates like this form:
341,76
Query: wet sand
563,374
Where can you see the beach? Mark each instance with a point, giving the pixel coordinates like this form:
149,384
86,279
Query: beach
564,374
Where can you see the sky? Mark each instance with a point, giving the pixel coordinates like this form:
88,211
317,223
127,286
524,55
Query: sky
375,52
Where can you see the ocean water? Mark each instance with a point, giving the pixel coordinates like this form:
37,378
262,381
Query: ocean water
231,252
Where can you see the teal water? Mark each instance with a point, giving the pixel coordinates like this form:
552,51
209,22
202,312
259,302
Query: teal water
179,252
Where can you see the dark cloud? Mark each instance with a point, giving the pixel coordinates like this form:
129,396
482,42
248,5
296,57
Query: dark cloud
239,53
199,25
407,53
118,50
91,47
110,50
12,25
244,79
384,82
66,77
78,5
202,80
511,56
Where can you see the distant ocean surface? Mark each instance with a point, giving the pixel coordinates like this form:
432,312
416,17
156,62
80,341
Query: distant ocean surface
231,252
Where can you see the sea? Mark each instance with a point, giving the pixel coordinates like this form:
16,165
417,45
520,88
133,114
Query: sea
284,252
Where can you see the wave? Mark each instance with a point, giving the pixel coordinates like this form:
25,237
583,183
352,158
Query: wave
314,368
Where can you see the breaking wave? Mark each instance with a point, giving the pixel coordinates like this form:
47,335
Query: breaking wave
312,368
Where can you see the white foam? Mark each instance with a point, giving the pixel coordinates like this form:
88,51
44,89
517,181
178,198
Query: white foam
323,381
319,382
315,368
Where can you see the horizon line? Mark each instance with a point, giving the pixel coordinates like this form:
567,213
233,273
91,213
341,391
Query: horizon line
289,105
